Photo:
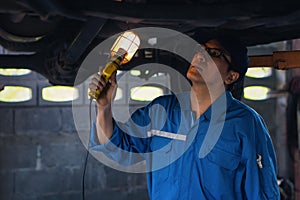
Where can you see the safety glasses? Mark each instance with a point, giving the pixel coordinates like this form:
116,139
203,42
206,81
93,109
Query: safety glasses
217,53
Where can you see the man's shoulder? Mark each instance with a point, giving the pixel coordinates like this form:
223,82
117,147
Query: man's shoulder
243,110
247,118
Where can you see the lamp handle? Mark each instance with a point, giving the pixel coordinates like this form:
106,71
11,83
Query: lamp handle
112,66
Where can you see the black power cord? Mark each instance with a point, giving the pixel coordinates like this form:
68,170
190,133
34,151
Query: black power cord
83,174
87,152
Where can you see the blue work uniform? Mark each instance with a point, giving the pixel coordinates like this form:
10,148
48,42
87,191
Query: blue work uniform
240,164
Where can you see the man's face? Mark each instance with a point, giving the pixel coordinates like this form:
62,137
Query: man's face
204,70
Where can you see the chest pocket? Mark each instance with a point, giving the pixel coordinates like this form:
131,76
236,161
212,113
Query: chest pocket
165,183
224,159
161,157
220,173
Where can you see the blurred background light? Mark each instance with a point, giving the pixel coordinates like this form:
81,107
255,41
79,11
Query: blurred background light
119,94
135,72
259,72
145,93
15,94
60,93
256,93
14,72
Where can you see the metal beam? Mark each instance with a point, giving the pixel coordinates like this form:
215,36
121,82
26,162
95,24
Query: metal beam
280,60
84,38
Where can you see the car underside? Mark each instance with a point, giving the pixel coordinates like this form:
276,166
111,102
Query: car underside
54,37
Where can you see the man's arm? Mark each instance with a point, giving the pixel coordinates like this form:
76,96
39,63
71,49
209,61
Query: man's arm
261,180
104,122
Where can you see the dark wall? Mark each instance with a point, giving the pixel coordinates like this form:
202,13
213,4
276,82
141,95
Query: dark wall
42,157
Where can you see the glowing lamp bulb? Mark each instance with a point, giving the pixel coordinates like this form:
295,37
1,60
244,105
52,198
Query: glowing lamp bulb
127,41
122,51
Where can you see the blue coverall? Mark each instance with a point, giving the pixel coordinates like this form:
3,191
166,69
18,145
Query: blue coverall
241,164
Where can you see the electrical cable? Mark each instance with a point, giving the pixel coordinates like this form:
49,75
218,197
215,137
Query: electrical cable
87,152
83,174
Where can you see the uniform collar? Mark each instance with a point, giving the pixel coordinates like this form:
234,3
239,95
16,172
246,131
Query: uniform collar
184,104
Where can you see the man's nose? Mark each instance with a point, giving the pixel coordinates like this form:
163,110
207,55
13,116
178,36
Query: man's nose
200,57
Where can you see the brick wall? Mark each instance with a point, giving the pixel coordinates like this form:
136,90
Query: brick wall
42,157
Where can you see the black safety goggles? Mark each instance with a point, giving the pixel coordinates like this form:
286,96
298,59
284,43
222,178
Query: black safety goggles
217,53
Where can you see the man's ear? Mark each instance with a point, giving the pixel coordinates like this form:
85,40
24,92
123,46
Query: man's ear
231,77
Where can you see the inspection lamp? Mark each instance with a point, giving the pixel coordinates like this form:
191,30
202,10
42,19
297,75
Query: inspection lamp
121,52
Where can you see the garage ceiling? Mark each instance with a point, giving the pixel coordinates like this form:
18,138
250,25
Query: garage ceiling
61,33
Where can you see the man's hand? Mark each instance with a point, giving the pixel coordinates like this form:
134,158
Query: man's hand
108,94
